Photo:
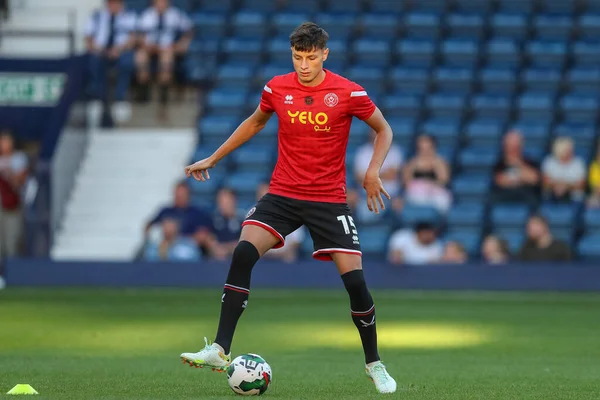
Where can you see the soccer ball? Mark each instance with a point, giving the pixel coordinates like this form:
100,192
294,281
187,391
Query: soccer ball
249,375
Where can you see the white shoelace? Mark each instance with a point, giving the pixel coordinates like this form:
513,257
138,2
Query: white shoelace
379,372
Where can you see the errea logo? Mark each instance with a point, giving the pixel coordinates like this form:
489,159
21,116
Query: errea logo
289,99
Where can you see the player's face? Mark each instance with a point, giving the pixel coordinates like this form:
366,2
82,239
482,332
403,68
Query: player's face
309,64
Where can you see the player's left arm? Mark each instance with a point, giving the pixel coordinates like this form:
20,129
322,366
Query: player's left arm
383,142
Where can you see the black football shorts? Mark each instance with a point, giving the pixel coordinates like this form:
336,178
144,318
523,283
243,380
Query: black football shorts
330,225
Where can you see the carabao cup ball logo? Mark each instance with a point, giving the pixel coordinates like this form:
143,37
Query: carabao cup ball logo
331,99
251,212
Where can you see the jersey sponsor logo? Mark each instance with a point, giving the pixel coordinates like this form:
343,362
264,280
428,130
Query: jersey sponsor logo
331,100
318,120
289,99
308,100
251,212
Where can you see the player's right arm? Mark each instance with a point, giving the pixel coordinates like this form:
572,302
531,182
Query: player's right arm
247,129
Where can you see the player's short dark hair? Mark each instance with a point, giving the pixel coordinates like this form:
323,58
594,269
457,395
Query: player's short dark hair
309,36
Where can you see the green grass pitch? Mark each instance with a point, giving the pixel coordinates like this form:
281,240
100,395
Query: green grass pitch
125,344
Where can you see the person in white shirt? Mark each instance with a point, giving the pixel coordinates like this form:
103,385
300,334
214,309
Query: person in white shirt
110,38
165,36
419,246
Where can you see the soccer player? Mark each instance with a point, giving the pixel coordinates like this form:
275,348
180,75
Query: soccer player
315,109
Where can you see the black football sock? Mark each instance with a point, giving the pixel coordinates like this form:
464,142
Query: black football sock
363,312
236,292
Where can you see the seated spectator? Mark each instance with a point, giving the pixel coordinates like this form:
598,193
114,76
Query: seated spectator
226,225
594,181
191,220
110,38
418,246
563,173
540,245
166,34
14,167
454,253
494,250
516,178
426,176
390,171
171,246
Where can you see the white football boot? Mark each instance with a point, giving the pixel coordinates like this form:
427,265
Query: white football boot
384,383
211,356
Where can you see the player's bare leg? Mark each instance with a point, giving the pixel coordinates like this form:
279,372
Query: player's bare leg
254,242
363,315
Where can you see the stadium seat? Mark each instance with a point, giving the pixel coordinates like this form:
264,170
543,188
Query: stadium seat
402,105
236,76
580,108
216,128
279,51
445,105
339,26
593,6
413,214
304,6
515,239
462,53
584,80
559,7
346,6
374,240
498,80
466,215
437,6
544,53
416,53
254,158
483,134
445,131
393,7
371,78
465,26
409,80
223,102
268,135
562,219
588,248
372,53
422,25
249,25
243,51
536,133
359,134
535,107
268,71
379,26
469,6
208,26
591,221
589,27
338,55
264,7
244,183
586,54
470,239
285,23
509,26
477,160
454,80
205,190
584,135
403,129
509,217
491,106
503,53
471,188
542,80
523,7
553,27
221,6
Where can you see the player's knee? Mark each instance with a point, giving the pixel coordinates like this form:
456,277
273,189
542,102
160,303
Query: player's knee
354,280
245,253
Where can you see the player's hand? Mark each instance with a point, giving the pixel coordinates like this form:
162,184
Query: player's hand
374,188
199,169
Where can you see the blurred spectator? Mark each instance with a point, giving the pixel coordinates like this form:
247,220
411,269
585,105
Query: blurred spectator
494,250
13,174
390,171
418,246
540,245
110,38
594,181
516,177
426,176
226,224
166,34
454,253
191,220
563,173
171,246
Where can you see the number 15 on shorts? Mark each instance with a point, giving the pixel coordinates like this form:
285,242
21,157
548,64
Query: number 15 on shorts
349,227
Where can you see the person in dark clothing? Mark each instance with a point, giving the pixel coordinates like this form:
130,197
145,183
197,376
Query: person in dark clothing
541,245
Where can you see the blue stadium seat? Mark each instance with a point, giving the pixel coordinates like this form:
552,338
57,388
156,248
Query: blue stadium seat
236,76
466,215
346,6
536,133
416,53
477,160
279,51
404,105
591,220
466,26
455,80
498,80
584,135
546,53
491,106
462,53
438,6
413,214
445,131
422,25
374,240
268,135
580,108
586,54
514,238
445,105
471,188
469,6
261,6
372,53
589,27
535,106
585,80
404,130
249,25
339,26
509,26
268,71
226,101
553,27
509,216
593,6
470,239
285,23
589,248
359,134
394,7
483,133
542,80
254,158
304,6
516,6
246,51
205,190
338,55
503,53
371,78
221,6
216,128
562,219
409,80
243,183
559,7
208,26
378,26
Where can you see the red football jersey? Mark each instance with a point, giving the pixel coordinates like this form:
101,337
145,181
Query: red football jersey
314,126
